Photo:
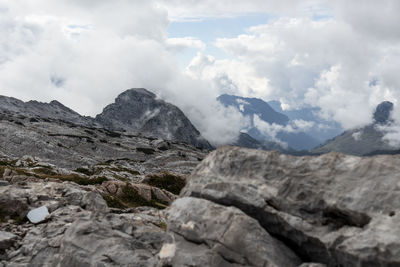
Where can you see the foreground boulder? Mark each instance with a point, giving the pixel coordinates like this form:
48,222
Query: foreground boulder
215,235
258,208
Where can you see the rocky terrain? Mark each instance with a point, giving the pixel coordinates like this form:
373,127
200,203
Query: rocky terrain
75,194
105,192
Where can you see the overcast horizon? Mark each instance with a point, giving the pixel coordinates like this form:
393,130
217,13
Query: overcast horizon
342,57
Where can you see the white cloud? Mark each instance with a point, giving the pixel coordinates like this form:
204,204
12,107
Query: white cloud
179,44
228,76
357,136
84,53
329,63
303,125
196,10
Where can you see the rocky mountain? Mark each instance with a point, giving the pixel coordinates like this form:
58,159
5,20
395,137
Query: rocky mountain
363,141
252,106
52,110
260,112
245,207
135,111
139,111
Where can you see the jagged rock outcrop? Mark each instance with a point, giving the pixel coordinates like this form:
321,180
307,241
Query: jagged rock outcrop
383,112
333,209
139,111
216,235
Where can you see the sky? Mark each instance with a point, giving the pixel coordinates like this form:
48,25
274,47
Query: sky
341,56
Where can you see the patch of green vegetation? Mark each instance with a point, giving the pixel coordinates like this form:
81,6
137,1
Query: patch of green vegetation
85,171
146,150
46,173
114,202
5,163
83,180
162,225
118,177
44,170
167,181
130,197
20,171
6,215
123,169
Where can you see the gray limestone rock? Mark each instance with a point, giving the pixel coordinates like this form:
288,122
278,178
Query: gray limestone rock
38,215
6,240
203,233
333,209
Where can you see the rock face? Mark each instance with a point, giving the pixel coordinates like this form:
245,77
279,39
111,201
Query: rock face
216,235
382,112
334,209
139,111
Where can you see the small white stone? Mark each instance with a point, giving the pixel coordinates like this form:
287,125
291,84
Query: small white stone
189,225
38,215
167,251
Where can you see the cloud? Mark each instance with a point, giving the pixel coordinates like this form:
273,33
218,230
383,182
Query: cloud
228,76
179,44
342,57
84,53
197,10
328,63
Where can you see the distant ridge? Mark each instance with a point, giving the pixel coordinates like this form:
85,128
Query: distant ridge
135,110
366,140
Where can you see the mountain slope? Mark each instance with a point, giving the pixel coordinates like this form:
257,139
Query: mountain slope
251,106
365,140
139,111
52,110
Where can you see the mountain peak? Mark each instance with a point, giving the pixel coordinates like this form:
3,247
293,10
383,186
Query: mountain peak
135,93
139,111
382,112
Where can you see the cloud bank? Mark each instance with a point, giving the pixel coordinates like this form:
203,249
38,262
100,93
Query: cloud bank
84,53
342,57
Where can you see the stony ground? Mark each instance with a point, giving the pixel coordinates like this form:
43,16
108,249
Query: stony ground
113,201
106,193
